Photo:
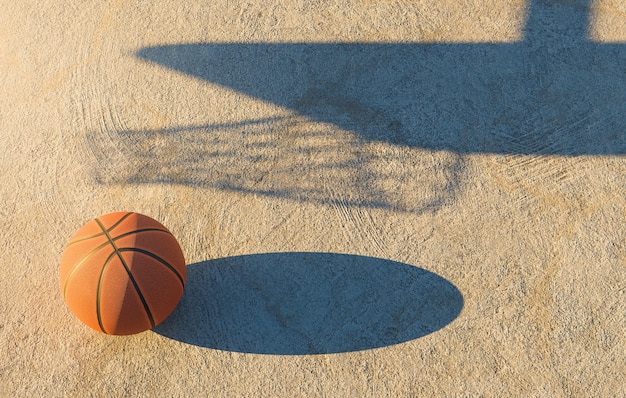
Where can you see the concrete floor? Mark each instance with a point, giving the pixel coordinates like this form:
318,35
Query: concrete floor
390,198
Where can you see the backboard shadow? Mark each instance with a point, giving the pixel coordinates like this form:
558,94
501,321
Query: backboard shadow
554,93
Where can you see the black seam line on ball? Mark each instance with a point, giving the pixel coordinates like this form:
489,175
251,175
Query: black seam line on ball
101,233
130,275
79,264
159,259
105,244
99,291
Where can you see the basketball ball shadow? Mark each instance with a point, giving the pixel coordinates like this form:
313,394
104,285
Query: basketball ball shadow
309,303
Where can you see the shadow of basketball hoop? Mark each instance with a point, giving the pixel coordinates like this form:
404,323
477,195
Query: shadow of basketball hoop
309,303
388,125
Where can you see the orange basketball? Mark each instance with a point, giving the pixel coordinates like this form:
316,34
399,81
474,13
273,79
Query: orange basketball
122,273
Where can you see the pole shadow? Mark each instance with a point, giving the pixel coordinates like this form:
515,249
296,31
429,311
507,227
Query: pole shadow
309,303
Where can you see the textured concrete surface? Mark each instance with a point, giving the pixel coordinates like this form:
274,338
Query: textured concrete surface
390,198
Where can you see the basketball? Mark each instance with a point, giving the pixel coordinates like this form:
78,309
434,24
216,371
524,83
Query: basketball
122,273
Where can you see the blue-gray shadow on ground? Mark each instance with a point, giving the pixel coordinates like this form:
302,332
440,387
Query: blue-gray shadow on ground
309,303
397,119
554,93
